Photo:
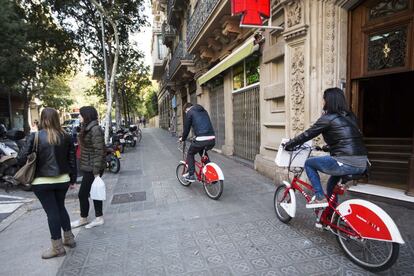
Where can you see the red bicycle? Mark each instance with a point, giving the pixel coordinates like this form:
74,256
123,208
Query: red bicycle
366,233
208,173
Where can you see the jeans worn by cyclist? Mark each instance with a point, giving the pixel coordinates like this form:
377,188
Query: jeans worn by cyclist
198,119
348,154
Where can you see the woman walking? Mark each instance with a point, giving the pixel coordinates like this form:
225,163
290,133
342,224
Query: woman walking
55,171
92,164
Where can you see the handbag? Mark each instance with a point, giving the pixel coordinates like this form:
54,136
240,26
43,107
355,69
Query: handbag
26,174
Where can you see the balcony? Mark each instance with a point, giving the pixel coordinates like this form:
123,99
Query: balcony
175,11
180,59
201,14
168,33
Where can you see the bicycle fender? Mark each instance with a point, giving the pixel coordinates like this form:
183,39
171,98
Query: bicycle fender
290,208
370,221
213,172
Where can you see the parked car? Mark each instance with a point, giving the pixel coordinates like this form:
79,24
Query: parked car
69,125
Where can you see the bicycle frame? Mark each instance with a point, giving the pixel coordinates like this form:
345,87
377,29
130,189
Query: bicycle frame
205,172
364,219
297,184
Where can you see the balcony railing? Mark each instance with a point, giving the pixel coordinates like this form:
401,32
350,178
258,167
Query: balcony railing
180,54
199,17
168,33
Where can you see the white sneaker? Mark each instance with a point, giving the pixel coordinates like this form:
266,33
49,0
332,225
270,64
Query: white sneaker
96,222
79,223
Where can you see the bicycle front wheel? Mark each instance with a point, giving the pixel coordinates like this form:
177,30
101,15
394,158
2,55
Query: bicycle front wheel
214,189
372,255
282,197
180,171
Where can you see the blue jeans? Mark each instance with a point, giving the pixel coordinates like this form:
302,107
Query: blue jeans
330,166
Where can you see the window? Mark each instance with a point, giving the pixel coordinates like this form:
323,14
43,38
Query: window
246,73
161,48
238,76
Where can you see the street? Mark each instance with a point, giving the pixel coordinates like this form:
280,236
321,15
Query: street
155,226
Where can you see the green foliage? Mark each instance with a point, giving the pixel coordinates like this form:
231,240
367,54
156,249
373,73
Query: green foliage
57,94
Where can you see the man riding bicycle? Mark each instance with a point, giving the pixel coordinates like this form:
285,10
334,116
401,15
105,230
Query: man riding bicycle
197,118
348,155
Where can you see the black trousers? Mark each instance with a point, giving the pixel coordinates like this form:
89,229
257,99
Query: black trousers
52,198
197,147
83,195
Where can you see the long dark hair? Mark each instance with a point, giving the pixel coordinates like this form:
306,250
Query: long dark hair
89,114
49,121
335,101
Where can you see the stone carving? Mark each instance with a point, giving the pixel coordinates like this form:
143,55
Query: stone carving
329,44
293,13
297,90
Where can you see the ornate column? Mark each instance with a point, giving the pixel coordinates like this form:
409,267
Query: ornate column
295,51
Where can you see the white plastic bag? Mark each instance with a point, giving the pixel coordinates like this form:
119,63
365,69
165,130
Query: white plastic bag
98,190
283,157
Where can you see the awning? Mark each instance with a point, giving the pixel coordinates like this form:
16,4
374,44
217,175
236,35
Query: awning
239,54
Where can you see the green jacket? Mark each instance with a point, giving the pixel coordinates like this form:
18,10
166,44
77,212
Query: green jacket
92,157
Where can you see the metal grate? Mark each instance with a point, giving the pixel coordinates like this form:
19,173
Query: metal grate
217,114
246,118
129,197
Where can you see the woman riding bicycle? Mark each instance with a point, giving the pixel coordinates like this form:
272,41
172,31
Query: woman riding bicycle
348,155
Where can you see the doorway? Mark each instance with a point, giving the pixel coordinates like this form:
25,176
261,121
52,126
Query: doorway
387,119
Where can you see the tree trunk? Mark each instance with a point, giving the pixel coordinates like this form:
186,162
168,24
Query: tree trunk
26,106
114,67
118,117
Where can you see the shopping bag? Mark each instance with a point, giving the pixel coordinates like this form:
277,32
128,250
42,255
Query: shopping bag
98,190
294,158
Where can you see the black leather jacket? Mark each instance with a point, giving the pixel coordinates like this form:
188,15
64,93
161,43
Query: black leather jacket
52,160
197,117
340,132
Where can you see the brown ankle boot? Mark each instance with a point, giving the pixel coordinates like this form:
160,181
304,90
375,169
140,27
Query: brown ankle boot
57,250
69,239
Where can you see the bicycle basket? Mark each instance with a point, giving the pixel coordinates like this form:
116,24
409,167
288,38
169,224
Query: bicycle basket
294,159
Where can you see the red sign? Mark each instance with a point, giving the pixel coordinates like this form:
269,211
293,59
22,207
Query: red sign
252,10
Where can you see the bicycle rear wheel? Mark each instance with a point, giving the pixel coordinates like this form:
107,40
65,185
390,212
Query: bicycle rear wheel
214,189
180,171
278,200
372,255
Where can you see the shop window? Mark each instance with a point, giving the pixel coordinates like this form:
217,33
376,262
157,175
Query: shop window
246,73
238,76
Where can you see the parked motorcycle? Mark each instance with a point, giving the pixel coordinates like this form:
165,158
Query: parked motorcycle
136,133
113,155
10,143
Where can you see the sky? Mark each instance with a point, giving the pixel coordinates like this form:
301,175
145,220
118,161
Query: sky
143,38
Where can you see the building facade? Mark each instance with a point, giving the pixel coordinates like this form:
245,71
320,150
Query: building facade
262,87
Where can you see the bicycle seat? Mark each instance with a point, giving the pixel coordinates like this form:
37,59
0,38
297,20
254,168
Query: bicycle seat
351,177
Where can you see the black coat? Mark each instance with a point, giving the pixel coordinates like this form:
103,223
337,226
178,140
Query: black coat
197,117
340,132
52,160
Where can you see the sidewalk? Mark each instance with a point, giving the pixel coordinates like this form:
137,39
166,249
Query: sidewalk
164,228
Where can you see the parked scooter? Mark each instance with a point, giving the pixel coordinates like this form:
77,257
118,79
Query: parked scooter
10,143
113,156
136,133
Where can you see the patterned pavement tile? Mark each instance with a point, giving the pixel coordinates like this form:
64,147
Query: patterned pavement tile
222,271
241,268
260,263
215,260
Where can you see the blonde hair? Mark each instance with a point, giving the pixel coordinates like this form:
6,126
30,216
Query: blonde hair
49,121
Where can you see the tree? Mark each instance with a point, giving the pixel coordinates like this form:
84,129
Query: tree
34,50
57,94
122,17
